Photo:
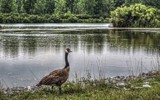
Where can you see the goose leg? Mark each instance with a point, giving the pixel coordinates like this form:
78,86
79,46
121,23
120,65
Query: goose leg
52,89
60,90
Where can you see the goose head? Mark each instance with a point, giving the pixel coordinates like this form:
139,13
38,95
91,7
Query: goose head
68,50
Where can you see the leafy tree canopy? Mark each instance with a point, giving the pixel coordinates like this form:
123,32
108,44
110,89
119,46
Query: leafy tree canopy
135,15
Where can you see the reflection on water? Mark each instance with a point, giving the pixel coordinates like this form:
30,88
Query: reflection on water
26,57
148,42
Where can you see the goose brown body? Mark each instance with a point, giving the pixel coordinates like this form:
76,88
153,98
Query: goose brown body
57,77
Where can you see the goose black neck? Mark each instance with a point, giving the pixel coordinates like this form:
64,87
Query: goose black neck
66,60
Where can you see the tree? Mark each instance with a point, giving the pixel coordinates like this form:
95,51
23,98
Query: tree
98,6
137,15
79,7
108,6
131,2
118,3
153,3
89,6
70,5
40,7
60,7
29,6
50,6
19,5
6,6
103,7
75,9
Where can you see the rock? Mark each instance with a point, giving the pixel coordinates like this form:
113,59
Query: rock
146,85
121,84
137,88
29,88
18,89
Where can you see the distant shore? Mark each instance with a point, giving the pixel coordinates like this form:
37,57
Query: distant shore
154,30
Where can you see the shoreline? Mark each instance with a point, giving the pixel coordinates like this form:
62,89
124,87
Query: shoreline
117,81
145,86
153,30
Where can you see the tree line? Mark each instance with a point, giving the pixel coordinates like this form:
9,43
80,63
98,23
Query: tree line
91,7
66,10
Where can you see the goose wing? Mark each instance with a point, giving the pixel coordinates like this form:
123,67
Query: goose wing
49,80
54,77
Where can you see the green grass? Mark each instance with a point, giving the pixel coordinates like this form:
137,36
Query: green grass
93,90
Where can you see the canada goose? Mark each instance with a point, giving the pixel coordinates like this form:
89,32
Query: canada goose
57,77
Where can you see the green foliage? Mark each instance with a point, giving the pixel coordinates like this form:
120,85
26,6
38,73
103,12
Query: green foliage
89,6
90,9
6,6
154,3
46,18
137,15
49,6
29,6
19,6
132,2
118,3
40,7
97,7
102,6
60,6
70,5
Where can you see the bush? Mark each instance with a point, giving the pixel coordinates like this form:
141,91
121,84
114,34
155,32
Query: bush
83,16
66,18
55,19
1,18
137,15
26,20
73,19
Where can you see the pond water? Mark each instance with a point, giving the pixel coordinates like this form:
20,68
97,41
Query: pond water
27,56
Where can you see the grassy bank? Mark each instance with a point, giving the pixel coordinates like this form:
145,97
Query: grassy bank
128,88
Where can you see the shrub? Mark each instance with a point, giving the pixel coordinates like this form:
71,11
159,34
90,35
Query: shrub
83,16
26,20
55,19
73,19
137,15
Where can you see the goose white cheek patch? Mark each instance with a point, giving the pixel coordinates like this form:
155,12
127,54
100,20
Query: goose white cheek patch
66,51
